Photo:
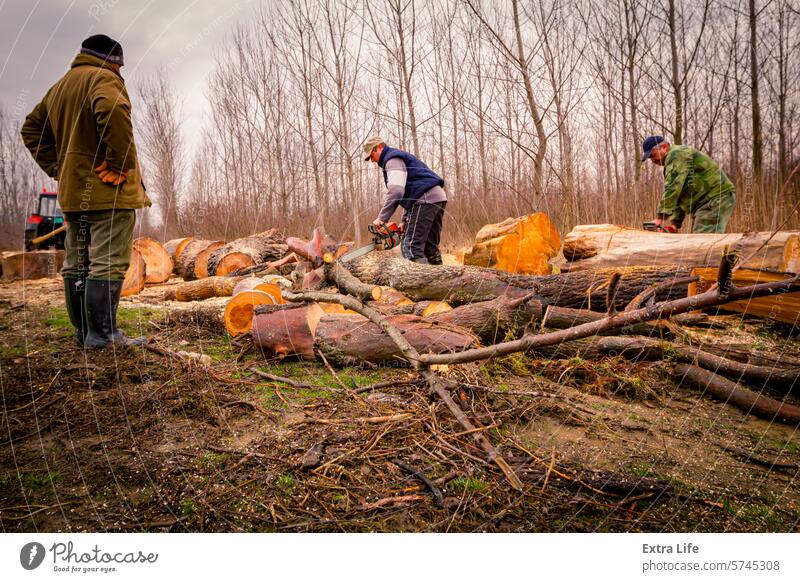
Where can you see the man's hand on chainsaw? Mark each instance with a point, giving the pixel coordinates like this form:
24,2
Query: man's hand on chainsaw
111,175
663,226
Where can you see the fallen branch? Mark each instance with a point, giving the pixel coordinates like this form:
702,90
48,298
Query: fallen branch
742,398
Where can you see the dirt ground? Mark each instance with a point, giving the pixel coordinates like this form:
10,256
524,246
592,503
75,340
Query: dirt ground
125,439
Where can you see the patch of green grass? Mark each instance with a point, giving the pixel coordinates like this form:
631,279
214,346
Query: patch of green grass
468,484
286,483
755,513
641,469
11,351
58,317
40,480
187,506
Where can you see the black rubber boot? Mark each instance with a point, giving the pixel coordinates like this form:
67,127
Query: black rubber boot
421,261
435,259
74,291
102,300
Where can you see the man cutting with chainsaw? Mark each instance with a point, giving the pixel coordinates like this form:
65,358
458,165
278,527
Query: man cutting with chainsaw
693,184
418,189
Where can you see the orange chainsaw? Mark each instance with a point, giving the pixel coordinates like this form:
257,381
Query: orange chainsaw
384,237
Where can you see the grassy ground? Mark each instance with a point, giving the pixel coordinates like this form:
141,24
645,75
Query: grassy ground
127,440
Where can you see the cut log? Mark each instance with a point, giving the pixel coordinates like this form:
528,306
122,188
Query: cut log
271,287
239,310
522,245
466,284
353,339
341,277
733,394
175,247
784,307
494,320
186,261
32,264
563,317
287,331
246,252
601,246
429,308
201,261
135,276
157,260
393,297
205,288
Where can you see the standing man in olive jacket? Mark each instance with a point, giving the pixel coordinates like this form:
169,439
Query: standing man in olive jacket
81,135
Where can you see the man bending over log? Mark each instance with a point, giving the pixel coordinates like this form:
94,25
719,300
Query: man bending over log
693,184
418,189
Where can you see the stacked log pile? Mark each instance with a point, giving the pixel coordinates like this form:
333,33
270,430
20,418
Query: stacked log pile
381,308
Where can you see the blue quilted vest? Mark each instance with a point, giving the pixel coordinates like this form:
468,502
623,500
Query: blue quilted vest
420,177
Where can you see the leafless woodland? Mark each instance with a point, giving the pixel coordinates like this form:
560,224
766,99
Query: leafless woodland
520,105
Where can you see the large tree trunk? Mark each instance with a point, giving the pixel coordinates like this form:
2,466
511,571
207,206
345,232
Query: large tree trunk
600,246
459,284
350,339
157,260
783,307
187,260
246,252
32,264
522,245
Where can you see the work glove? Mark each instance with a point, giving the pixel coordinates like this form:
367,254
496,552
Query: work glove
111,175
664,226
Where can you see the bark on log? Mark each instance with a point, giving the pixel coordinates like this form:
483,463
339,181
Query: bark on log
733,394
644,348
600,246
352,339
784,307
341,277
175,246
186,261
494,320
522,245
157,260
135,275
466,284
201,261
205,288
246,252
32,265
287,331
563,317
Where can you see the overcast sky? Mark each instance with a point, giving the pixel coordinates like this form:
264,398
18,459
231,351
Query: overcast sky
39,39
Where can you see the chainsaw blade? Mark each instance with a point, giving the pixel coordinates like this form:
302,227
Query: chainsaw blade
359,252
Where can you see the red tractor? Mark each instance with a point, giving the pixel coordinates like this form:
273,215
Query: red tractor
44,220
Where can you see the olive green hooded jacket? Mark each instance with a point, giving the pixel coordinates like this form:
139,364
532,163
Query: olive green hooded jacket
84,120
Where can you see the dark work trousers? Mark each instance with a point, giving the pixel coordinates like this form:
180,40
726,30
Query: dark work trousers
423,229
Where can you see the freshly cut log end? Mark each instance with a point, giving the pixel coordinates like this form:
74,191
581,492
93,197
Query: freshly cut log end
32,265
201,261
287,332
601,246
159,263
784,307
521,245
239,310
791,255
246,252
175,247
394,297
258,284
135,276
205,288
429,308
187,258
